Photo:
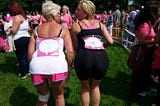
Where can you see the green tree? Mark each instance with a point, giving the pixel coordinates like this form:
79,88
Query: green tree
101,5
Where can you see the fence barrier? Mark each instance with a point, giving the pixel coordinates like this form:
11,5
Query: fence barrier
128,39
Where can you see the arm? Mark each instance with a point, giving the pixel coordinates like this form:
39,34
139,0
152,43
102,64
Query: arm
31,47
73,32
157,37
142,40
69,48
17,20
106,34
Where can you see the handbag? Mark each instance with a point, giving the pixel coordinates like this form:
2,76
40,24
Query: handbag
136,57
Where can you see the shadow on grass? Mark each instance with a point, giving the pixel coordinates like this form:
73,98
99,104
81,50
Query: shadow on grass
66,95
67,92
119,87
8,64
21,97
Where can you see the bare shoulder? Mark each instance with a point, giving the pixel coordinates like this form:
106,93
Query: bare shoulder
97,23
49,29
19,18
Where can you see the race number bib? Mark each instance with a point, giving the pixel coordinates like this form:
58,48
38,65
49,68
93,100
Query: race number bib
48,47
64,25
93,43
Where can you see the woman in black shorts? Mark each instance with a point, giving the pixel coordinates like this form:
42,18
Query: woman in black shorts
91,60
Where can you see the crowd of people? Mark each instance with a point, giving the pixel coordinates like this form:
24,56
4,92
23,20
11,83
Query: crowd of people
58,37
115,20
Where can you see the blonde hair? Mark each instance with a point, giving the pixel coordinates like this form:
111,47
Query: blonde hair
89,7
67,8
49,8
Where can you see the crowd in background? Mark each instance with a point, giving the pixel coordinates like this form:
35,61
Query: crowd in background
113,21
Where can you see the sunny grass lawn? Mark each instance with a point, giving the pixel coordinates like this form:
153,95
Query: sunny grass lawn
115,88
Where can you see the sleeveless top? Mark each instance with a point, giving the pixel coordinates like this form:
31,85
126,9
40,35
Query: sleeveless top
145,28
22,31
49,57
90,38
49,46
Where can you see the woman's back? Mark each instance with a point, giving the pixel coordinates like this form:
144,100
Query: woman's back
49,30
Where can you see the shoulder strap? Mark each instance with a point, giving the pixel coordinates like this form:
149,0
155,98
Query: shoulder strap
85,24
60,33
36,31
80,25
99,25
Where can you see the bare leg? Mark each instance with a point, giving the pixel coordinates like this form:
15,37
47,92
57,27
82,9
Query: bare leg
59,93
115,33
42,90
95,93
85,92
40,103
116,29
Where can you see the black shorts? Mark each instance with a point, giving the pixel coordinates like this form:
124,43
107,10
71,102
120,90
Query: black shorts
91,64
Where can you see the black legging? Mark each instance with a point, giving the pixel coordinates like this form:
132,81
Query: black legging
91,64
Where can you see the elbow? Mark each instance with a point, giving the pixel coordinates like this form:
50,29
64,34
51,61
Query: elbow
111,42
29,57
13,31
70,55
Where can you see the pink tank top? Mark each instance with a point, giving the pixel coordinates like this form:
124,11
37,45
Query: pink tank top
89,27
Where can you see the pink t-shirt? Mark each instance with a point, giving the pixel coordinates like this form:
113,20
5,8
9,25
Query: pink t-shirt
146,29
104,17
66,20
42,19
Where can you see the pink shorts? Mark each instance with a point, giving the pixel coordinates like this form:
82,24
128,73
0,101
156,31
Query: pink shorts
40,78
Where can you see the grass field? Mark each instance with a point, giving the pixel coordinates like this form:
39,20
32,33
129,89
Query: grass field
115,87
